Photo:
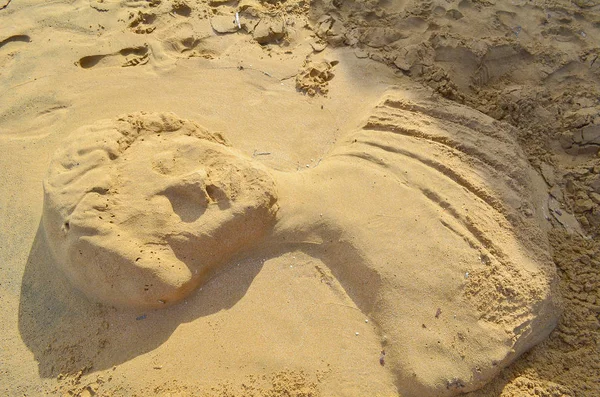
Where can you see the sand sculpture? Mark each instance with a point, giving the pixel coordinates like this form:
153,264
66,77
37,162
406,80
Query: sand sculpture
457,278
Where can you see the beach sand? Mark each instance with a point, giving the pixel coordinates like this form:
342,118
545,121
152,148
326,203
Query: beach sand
477,121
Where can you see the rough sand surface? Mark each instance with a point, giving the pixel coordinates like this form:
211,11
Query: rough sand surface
340,106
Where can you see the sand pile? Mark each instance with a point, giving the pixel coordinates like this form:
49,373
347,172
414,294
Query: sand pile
406,199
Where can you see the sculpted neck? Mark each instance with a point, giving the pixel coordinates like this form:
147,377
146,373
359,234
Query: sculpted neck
304,213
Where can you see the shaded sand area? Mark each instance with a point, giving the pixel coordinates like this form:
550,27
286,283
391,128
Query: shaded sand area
248,198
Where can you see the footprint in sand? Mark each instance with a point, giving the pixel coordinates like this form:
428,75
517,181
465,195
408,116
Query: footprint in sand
19,38
130,56
32,121
183,40
106,5
144,22
10,47
141,23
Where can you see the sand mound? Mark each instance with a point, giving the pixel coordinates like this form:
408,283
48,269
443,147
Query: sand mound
429,217
473,285
138,210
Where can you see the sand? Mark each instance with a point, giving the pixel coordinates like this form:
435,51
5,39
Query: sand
335,198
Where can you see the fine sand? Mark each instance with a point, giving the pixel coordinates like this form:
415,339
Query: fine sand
254,198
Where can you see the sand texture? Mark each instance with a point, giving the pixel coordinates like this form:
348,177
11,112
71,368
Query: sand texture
256,198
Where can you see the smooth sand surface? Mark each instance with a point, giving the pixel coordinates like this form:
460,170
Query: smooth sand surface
326,199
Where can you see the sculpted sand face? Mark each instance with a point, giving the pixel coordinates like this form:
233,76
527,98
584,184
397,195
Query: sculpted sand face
425,214
137,211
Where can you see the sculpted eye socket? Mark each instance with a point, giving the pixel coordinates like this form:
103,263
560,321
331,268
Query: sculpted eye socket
189,199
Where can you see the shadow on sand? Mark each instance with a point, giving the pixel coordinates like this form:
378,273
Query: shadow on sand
68,333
